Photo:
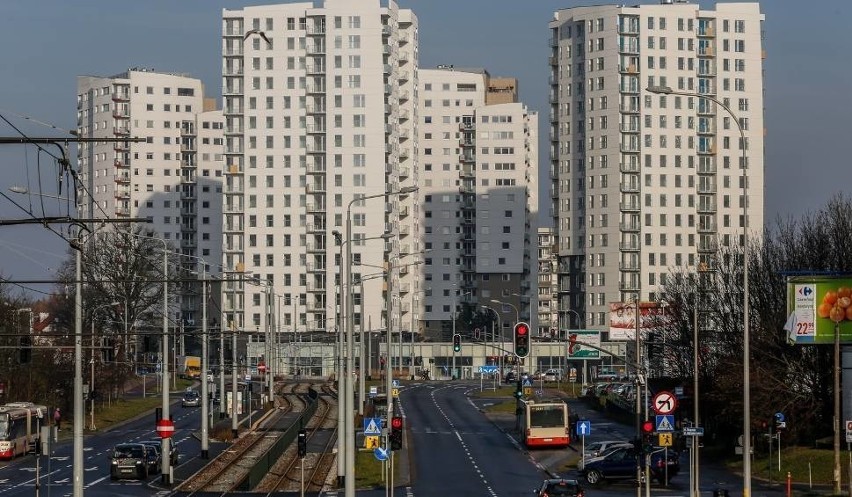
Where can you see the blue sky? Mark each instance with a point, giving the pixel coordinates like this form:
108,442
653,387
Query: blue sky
48,43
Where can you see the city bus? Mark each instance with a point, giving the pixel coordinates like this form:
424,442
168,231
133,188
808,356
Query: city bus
19,428
546,424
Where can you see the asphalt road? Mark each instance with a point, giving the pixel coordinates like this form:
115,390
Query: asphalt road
18,477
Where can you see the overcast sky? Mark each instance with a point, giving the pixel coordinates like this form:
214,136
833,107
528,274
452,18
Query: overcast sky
48,43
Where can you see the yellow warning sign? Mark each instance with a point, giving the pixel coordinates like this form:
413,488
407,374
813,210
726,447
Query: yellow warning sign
665,440
395,392
371,442
528,391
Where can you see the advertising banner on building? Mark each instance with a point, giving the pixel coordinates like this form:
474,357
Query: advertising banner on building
816,305
622,319
579,341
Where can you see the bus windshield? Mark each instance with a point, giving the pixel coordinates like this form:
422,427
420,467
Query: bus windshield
546,416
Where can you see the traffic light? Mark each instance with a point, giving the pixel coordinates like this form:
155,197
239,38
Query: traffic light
522,339
25,351
303,443
396,433
647,436
456,343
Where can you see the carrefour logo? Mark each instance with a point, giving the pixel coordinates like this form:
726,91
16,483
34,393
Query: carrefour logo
806,291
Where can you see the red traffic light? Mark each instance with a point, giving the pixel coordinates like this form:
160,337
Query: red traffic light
647,427
522,329
396,423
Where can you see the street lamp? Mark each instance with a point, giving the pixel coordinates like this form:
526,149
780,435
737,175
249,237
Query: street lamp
92,386
513,306
349,438
665,90
500,326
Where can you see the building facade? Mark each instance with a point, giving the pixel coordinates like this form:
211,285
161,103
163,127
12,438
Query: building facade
174,179
644,182
548,284
478,164
319,113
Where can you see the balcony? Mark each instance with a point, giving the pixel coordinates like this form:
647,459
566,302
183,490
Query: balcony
121,96
466,173
629,206
121,131
705,31
403,76
121,147
628,109
628,286
403,95
629,127
706,207
629,148
629,227
315,88
315,189
315,109
317,167
629,168
316,286
187,179
316,48
632,187
315,128
315,69
315,148
232,207
315,208
122,194
467,126
316,30
118,113
706,51
404,172
708,227
316,228
403,211
315,247
316,268
122,211
122,178
632,48
629,246
467,158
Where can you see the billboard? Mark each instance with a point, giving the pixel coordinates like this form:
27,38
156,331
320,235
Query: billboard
815,305
622,320
581,350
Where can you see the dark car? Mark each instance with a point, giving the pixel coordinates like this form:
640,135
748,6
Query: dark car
510,377
191,399
129,460
559,487
173,450
620,464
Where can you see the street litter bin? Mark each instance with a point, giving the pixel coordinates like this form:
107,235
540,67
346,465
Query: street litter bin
720,492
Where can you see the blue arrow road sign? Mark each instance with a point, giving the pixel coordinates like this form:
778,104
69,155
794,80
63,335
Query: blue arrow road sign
584,427
665,422
372,426
381,453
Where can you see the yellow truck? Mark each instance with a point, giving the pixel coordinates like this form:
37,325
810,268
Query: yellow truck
189,367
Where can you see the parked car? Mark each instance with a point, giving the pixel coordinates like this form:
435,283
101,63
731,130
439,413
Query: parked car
174,454
552,375
191,399
620,464
130,460
600,448
559,487
510,377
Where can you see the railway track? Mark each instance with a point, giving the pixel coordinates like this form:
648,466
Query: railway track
225,473
321,430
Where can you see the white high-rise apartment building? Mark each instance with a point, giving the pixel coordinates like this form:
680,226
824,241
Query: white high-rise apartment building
548,284
319,112
645,182
174,179
478,163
